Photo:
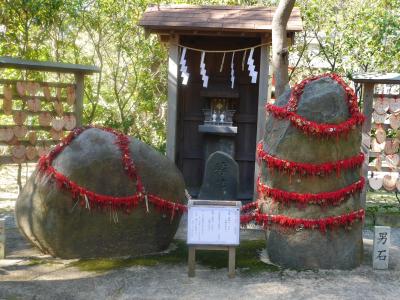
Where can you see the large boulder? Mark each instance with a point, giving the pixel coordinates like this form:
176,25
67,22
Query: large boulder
52,220
323,101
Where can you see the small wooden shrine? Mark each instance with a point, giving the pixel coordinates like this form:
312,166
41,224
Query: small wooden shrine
218,84
35,114
381,130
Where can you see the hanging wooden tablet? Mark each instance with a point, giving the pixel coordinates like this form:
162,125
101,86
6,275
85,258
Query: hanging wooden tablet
58,108
20,131
398,184
381,105
392,160
380,134
32,88
45,119
14,140
21,88
31,152
32,137
394,105
19,160
42,150
7,100
69,122
19,117
377,163
394,121
375,183
391,146
71,95
46,92
389,182
6,134
56,135
57,124
58,93
376,147
379,118
34,104
18,151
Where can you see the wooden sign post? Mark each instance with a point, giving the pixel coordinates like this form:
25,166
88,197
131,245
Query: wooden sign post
213,225
2,239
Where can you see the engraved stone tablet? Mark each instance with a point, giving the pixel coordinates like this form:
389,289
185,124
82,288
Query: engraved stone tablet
221,177
380,254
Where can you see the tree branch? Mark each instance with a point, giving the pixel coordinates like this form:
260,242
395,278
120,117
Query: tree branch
280,53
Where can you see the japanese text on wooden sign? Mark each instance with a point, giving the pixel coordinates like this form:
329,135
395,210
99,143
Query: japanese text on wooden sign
213,223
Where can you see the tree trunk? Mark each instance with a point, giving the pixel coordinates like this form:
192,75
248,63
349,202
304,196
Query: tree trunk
280,54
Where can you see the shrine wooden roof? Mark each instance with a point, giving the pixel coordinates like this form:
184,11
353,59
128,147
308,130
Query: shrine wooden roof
46,66
375,77
164,18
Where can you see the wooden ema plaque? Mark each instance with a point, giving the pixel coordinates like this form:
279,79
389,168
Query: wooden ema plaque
36,116
213,225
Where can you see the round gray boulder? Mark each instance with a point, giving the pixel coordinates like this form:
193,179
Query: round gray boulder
51,219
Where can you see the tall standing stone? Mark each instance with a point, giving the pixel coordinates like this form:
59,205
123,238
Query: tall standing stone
323,101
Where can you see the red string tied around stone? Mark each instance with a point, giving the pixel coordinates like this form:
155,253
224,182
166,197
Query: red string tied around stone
313,128
323,198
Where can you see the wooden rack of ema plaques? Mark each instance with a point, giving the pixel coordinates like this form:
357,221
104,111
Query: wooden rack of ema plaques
34,115
213,225
381,130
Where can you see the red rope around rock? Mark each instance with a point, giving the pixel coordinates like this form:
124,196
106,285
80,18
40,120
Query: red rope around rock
99,201
313,128
322,224
305,169
323,199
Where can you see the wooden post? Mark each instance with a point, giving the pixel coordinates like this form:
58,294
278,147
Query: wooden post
192,261
2,239
173,58
79,93
231,257
231,262
263,98
368,98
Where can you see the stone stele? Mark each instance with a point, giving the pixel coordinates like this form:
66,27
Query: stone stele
49,218
221,177
323,101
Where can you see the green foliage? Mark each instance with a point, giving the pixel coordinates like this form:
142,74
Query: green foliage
247,259
348,36
130,92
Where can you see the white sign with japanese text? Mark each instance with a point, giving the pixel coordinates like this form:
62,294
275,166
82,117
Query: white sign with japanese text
380,254
213,224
